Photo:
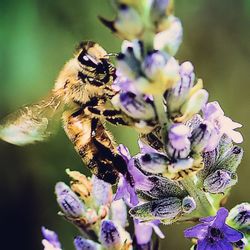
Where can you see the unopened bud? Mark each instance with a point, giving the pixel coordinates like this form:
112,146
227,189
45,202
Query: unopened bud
159,9
188,204
231,160
161,70
109,236
119,212
128,24
193,105
83,244
239,216
219,181
200,137
178,95
163,187
154,163
178,146
69,202
101,192
170,37
50,239
136,107
168,208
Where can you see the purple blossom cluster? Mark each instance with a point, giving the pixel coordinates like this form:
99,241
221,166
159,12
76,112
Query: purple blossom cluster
187,161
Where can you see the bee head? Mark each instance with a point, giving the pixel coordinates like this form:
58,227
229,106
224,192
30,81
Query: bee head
90,52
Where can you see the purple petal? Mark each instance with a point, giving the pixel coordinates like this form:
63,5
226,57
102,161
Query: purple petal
204,245
224,244
199,231
220,218
212,111
126,191
141,181
231,234
51,237
207,219
145,149
124,152
143,232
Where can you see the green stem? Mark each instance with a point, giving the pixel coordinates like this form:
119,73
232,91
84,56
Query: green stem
203,206
162,115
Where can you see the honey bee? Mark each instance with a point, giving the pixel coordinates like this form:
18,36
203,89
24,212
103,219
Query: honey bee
81,96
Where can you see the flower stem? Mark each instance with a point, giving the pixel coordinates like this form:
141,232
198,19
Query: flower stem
162,115
203,206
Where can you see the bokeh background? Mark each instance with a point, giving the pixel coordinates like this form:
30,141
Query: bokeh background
38,36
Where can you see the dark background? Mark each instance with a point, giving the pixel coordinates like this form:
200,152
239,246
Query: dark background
38,36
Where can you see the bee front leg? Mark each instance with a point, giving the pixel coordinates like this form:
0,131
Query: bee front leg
95,146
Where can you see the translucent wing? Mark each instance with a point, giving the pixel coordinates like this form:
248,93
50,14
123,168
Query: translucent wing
32,123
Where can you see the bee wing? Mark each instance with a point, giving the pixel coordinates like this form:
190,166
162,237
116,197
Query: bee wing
32,123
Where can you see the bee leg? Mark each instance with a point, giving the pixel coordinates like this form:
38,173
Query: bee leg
95,146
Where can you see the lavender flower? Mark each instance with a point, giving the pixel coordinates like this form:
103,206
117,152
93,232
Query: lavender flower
239,216
179,144
83,244
219,181
179,93
101,192
144,231
50,241
213,233
127,186
214,115
68,201
169,38
113,236
127,25
161,70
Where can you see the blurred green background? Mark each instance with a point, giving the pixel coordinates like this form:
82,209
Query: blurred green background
38,36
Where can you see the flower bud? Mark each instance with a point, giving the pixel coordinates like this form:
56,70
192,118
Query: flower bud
154,163
128,65
170,37
239,216
119,212
178,146
179,165
219,181
168,208
193,105
83,244
136,107
162,188
110,237
128,25
143,233
101,192
231,160
178,95
138,48
69,201
159,9
161,70
200,137
50,239
188,204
